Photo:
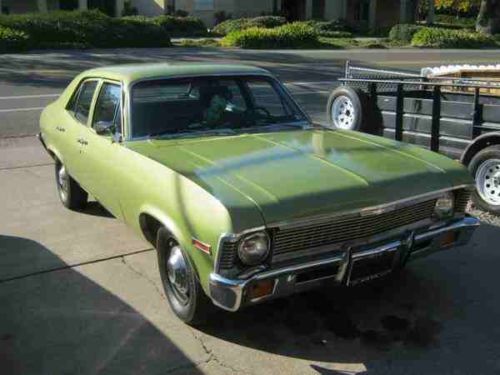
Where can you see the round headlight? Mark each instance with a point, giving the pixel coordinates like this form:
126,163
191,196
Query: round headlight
444,206
254,248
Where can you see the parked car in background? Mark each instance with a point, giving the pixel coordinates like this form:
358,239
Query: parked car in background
454,110
243,197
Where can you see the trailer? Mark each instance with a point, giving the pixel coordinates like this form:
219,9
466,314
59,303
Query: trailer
455,112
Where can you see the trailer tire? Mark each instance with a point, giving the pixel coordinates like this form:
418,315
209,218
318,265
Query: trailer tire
346,108
485,168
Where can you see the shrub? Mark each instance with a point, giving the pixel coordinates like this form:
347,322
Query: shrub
182,26
60,27
239,24
294,35
134,31
445,38
329,26
335,34
12,40
87,29
403,32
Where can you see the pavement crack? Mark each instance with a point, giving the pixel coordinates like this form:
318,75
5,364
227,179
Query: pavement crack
144,276
212,357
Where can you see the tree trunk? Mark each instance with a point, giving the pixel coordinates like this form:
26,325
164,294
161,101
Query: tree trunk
488,20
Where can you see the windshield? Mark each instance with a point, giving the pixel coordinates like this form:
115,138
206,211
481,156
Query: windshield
201,104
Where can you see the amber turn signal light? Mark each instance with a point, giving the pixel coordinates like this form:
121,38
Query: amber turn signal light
261,289
447,239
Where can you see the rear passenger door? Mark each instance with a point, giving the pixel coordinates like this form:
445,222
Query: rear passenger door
76,119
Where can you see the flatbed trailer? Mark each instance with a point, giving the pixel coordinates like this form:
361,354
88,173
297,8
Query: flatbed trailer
453,115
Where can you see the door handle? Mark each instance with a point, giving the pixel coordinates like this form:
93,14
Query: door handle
82,141
60,128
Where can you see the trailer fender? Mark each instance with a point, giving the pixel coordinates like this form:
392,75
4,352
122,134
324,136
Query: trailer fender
478,144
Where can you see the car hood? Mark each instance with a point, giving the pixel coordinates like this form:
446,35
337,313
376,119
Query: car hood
300,173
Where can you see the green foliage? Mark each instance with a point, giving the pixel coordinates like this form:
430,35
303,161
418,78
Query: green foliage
293,35
446,38
334,25
239,24
403,32
12,40
181,26
454,21
335,34
70,29
458,6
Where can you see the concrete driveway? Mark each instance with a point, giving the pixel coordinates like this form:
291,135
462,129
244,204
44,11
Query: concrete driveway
80,294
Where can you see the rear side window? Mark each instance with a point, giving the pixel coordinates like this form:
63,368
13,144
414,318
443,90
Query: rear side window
83,102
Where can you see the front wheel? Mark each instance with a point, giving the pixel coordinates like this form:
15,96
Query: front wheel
485,167
184,293
71,194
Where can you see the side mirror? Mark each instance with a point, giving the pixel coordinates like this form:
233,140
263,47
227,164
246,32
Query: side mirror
104,128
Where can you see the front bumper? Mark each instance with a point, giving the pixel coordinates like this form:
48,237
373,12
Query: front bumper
232,294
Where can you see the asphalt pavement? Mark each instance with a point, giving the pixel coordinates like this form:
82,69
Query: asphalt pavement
81,294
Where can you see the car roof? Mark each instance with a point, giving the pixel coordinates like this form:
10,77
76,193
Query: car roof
129,73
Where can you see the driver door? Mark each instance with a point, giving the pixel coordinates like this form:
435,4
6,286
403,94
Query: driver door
100,151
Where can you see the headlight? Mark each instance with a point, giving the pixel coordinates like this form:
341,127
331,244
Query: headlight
444,206
254,248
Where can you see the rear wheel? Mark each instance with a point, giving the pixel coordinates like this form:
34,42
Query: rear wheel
485,167
184,292
71,194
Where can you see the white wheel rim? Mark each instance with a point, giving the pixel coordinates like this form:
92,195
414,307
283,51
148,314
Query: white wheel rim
488,181
343,113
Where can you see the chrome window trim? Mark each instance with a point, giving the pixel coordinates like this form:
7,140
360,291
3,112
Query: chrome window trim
234,237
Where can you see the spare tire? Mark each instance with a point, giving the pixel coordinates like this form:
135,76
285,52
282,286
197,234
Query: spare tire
345,108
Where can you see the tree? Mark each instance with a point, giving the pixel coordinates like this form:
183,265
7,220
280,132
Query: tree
458,6
488,20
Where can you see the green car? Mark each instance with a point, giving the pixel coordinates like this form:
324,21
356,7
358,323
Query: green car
244,198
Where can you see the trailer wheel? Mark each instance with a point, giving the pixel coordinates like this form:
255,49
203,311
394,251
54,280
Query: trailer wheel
345,108
485,167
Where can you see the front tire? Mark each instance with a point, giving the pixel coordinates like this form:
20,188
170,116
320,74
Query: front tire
485,167
71,194
184,292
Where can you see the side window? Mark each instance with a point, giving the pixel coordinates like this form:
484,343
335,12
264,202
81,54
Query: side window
107,109
84,101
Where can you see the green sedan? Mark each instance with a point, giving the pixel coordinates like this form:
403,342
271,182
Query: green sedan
244,198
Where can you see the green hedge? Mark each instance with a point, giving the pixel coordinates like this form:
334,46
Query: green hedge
446,38
12,40
75,29
404,32
182,26
293,35
239,24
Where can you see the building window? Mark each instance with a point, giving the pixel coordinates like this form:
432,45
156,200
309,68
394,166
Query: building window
204,5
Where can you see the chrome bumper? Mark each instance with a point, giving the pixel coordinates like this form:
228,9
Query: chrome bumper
232,294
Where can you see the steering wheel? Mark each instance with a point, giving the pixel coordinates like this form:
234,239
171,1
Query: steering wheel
262,109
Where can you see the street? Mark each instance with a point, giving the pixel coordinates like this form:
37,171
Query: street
81,294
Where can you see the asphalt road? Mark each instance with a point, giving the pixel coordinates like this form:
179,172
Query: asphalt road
80,294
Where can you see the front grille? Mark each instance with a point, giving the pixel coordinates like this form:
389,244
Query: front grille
352,227
228,255
462,200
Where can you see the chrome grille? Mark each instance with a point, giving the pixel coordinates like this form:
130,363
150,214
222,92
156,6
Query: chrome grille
228,255
352,227
462,200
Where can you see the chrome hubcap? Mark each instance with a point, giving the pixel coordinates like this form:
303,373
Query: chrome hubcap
488,181
63,181
343,112
178,274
